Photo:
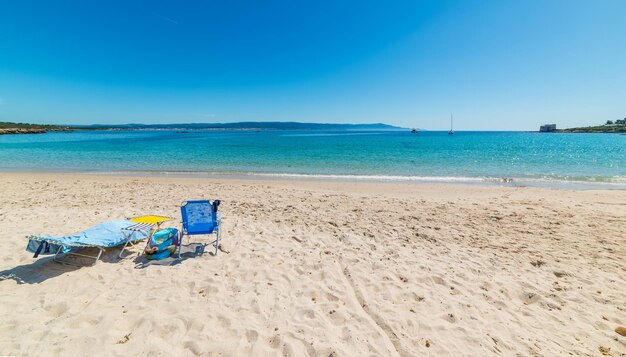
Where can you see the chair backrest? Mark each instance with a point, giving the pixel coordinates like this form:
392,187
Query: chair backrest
196,214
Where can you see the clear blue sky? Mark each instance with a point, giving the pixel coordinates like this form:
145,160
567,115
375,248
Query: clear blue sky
498,65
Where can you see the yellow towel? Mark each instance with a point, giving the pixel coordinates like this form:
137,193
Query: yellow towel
150,219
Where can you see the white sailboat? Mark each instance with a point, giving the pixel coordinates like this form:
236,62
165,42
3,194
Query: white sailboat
451,122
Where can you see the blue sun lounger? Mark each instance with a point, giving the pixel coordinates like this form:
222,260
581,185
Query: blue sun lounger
104,235
200,217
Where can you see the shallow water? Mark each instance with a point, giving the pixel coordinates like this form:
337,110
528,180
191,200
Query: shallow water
384,155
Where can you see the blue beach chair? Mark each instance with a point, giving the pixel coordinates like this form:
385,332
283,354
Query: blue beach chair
200,217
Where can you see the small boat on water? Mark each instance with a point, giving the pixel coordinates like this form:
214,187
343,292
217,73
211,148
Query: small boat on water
414,131
451,122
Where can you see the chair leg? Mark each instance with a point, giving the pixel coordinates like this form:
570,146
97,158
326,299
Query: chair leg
217,241
180,242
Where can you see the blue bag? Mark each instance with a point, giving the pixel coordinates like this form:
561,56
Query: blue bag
162,241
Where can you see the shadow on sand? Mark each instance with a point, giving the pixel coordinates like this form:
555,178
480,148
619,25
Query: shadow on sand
36,272
46,268
192,250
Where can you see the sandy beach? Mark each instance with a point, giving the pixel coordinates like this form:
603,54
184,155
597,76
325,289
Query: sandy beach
320,269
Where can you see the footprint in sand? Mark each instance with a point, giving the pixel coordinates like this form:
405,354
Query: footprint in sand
450,318
57,309
308,314
338,318
331,297
252,336
275,341
530,298
438,280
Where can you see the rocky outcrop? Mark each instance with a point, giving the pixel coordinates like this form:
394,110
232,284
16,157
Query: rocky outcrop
21,131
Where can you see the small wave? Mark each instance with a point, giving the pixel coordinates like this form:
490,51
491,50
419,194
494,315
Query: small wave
616,182
370,177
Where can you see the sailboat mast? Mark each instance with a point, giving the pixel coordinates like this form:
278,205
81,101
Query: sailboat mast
451,125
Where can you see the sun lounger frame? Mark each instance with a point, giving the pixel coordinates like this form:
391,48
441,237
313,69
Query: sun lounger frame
59,254
139,228
58,257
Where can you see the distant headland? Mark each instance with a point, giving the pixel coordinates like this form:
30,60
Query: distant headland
24,128
617,126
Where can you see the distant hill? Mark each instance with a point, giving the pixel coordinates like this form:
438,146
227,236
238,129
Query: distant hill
248,125
24,128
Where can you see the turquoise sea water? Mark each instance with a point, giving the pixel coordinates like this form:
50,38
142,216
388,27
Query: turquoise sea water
377,154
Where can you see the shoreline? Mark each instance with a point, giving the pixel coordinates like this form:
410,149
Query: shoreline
372,179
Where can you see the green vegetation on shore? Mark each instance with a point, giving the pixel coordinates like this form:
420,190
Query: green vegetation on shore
596,129
24,128
9,125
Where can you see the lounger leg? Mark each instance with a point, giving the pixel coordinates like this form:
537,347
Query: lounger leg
57,254
96,258
127,235
124,247
130,242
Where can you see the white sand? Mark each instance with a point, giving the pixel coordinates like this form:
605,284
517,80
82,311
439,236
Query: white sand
321,269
